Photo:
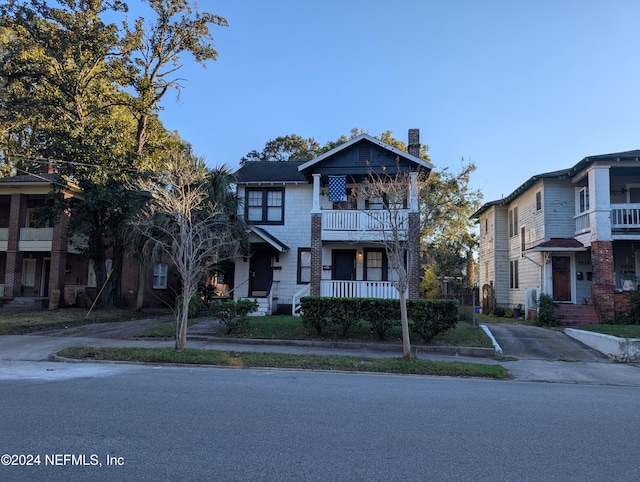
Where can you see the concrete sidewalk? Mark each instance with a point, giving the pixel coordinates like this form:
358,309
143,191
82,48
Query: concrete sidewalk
30,348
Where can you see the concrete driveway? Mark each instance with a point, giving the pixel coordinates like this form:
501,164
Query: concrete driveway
535,343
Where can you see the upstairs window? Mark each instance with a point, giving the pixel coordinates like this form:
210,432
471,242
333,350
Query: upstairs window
538,201
265,206
513,222
583,200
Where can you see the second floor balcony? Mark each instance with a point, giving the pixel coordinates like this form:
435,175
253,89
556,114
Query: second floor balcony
38,240
363,225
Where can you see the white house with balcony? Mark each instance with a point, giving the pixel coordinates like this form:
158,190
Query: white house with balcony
573,234
315,231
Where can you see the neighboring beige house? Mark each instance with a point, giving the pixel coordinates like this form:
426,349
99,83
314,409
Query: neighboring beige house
573,234
312,230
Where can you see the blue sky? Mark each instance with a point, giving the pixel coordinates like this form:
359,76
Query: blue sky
517,87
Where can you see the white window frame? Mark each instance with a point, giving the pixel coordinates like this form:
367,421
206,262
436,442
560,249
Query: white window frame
582,200
160,276
29,272
513,222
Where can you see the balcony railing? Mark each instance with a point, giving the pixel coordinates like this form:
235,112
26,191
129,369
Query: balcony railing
583,223
359,224
35,239
625,216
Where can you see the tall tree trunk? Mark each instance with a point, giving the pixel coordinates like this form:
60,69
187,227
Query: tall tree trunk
404,321
181,339
141,282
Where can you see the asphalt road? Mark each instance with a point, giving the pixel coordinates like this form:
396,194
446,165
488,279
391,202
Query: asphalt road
178,423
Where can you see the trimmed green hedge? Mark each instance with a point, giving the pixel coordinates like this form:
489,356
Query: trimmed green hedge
427,318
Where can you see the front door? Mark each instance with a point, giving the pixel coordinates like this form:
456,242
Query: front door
260,272
344,264
561,275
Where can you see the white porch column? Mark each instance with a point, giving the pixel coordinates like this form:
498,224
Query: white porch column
600,201
316,193
414,193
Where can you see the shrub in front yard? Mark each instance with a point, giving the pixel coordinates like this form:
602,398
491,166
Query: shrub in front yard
382,315
429,318
315,313
233,314
548,314
632,315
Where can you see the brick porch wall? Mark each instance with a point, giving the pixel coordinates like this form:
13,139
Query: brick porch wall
316,254
603,290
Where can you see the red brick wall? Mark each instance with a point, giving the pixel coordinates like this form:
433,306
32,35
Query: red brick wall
414,255
316,254
603,290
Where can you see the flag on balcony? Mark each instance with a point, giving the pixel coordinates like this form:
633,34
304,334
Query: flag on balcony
337,188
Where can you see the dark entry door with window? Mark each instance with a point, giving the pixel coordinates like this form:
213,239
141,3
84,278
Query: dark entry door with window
344,265
561,273
260,272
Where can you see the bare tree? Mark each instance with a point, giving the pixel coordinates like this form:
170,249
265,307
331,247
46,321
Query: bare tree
191,215
397,227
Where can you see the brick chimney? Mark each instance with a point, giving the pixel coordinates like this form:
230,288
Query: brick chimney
414,142
47,167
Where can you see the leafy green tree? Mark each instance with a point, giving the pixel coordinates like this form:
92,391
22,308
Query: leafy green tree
86,93
447,202
291,147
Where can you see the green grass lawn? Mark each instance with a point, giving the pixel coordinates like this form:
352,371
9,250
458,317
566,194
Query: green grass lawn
623,331
285,327
35,321
281,360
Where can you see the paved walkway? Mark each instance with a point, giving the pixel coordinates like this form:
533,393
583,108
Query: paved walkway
599,371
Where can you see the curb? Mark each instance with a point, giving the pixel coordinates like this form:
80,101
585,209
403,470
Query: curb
416,349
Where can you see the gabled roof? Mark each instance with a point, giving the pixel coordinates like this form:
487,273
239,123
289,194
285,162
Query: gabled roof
560,244
355,140
269,239
633,156
264,172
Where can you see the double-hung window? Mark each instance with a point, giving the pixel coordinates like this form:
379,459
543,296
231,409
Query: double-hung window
160,271
513,274
375,264
513,222
304,265
583,200
265,206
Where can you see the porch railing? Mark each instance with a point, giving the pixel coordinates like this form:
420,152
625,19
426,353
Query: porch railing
358,289
625,216
296,306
